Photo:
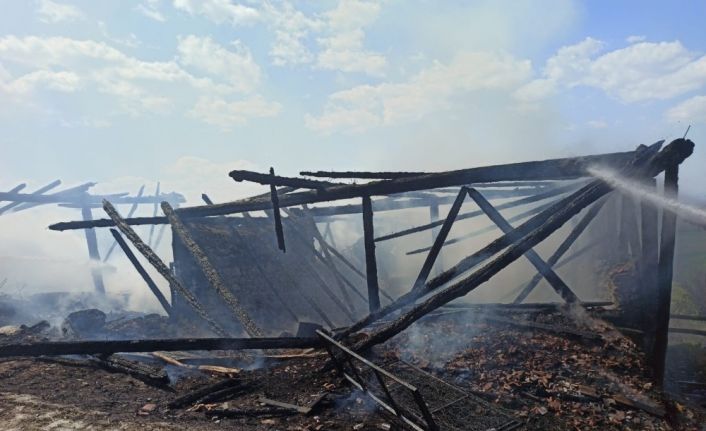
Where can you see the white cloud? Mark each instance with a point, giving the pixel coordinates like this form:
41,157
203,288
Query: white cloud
225,114
432,90
51,12
150,10
639,72
691,111
291,28
342,46
635,39
138,86
219,11
235,65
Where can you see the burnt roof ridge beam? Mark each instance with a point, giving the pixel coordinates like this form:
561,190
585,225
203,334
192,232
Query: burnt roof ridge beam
554,169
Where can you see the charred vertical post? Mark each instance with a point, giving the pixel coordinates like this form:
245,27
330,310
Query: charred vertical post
649,258
371,268
141,270
154,214
665,271
276,214
93,254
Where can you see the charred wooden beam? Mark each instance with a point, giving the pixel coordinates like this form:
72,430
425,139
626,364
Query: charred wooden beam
276,180
141,270
93,253
665,271
130,213
276,214
439,240
487,229
371,269
563,248
687,331
362,175
519,202
559,286
141,371
673,154
55,348
159,265
434,216
39,191
648,262
210,272
540,170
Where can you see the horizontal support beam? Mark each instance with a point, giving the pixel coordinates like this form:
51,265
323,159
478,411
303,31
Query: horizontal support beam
556,169
55,348
80,201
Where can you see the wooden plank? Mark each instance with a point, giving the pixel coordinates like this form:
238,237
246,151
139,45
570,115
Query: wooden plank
371,270
210,272
141,270
159,265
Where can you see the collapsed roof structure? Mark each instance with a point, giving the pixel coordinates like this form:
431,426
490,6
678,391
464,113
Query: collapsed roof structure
249,279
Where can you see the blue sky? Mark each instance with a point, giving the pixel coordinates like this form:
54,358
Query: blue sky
130,92
97,90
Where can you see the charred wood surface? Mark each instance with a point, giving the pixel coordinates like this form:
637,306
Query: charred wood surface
54,348
210,272
371,269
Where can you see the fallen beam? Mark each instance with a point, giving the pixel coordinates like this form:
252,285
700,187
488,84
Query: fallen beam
55,348
130,213
210,272
141,270
159,265
556,169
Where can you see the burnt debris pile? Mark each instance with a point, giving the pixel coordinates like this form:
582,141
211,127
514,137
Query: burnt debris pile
270,323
